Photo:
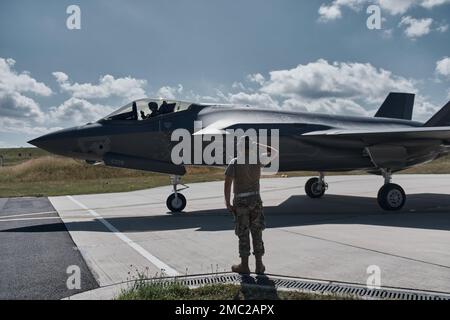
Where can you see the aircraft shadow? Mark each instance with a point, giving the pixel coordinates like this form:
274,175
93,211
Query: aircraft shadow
423,211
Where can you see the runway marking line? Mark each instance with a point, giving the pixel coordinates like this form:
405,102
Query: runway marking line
27,214
28,219
147,255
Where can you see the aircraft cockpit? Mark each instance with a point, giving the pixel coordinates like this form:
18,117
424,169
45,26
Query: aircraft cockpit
145,109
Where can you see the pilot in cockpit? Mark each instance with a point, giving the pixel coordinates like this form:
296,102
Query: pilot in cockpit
153,106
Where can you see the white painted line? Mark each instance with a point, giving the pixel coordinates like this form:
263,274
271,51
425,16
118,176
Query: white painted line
27,214
28,219
147,255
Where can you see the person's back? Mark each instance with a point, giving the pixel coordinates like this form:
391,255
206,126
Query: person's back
246,178
247,209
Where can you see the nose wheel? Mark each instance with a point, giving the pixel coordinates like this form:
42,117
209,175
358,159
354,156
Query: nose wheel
316,187
391,196
176,202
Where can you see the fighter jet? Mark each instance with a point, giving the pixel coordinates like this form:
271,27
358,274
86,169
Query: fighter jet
138,136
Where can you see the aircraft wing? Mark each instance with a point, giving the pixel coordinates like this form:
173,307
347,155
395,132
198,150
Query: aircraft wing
374,136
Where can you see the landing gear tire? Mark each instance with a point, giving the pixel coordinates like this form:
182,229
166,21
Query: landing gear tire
176,202
314,189
391,197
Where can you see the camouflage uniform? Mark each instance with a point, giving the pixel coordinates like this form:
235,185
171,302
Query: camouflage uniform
249,216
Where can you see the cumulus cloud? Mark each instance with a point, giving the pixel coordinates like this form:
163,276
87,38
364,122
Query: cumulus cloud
14,90
169,92
442,28
443,67
12,81
261,100
333,10
78,111
415,28
333,88
256,78
321,79
127,88
24,126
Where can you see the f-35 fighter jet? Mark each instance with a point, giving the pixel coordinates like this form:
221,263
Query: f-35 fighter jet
139,136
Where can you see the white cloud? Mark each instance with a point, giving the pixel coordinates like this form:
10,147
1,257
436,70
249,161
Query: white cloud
256,78
332,88
24,126
11,81
397,6
443,67
261,100
169,92
433,3
15,105
78,111
442,28
321,79
13,87
333,10
127,88
415,28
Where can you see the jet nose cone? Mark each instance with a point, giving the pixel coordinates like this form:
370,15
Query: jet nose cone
47,142
38,142
60,142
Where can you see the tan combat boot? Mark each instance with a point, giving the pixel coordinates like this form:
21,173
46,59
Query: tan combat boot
242,267
260,267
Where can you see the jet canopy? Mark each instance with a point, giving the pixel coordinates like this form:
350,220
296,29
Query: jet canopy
145,109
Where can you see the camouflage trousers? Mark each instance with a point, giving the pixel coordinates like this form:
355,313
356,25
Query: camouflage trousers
249,219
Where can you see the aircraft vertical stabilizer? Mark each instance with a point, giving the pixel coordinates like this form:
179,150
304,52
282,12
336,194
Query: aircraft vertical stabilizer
441,118
397,106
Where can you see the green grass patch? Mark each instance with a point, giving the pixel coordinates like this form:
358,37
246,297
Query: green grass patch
142,290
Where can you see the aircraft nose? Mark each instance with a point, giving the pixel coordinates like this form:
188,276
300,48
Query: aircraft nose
63,142
52,142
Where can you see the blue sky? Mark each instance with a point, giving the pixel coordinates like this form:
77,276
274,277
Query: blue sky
316,56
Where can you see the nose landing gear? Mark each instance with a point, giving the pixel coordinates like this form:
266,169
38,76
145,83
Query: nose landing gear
316,187
176,202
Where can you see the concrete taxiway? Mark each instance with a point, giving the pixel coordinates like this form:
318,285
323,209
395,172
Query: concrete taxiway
334,238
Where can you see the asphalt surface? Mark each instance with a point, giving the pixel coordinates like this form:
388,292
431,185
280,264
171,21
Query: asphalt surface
33,265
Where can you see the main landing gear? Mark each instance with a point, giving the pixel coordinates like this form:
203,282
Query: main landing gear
316,187
391,196
176,202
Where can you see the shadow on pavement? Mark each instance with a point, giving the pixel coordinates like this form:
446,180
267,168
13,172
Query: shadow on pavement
423,211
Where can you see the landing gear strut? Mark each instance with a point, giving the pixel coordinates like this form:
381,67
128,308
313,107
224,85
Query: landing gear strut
316,187
176,202
391,197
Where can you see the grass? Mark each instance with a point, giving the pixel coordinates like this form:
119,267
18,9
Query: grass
36,173
175,291
51,176
13,156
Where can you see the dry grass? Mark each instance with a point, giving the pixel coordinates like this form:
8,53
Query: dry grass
52,175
